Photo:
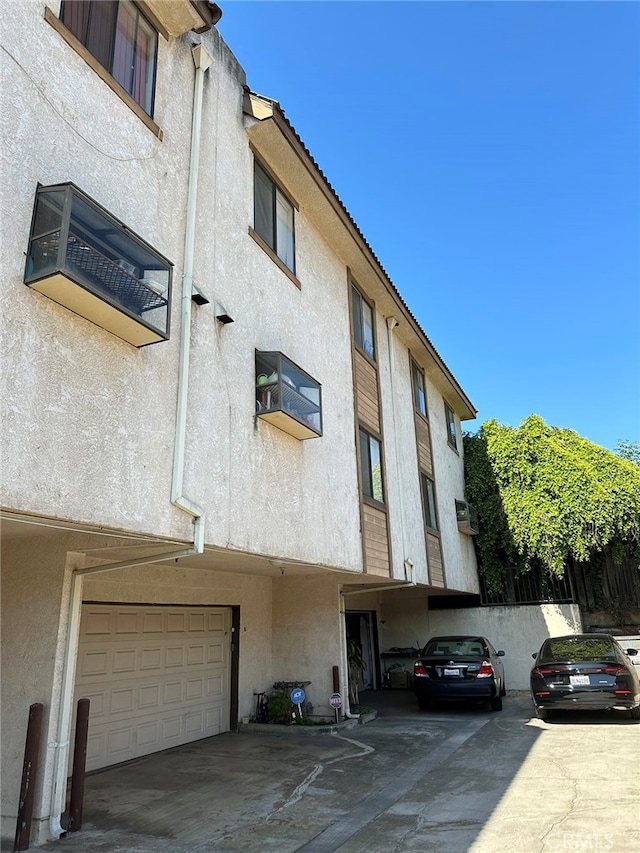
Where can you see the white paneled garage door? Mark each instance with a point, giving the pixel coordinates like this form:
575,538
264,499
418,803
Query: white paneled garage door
157,677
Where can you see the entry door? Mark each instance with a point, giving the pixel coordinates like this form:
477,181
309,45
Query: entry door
360,628
156,677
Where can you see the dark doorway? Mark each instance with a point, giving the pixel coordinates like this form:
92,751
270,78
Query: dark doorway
362,628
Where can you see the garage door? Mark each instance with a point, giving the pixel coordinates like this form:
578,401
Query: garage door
157,677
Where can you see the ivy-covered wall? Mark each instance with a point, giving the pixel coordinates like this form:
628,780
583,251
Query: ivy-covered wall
549,499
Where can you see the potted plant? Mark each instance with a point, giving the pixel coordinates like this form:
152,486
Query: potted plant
357,666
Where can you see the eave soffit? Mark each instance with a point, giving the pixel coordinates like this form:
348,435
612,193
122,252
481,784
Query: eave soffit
174,18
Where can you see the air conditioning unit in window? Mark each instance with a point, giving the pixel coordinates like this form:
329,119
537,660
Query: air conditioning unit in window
467,518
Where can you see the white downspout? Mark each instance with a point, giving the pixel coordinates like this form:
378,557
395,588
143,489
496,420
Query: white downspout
202,61
392,323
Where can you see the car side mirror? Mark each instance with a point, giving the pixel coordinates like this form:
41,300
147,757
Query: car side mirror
534,655
501,653
632,652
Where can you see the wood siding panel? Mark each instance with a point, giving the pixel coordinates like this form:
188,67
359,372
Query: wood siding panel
367,401
424,446
436,566
375,541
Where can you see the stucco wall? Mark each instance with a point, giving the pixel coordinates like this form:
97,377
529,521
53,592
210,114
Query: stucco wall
103,413
32,585
520,631
307,635
457,548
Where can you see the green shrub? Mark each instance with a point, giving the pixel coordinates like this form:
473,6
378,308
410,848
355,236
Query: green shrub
279,707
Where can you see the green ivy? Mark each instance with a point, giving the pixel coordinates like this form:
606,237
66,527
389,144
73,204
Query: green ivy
545,495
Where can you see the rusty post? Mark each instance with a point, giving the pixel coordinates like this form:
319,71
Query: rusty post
76,801
29,774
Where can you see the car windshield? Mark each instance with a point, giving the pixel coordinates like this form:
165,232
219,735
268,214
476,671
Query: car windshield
453,646
578,649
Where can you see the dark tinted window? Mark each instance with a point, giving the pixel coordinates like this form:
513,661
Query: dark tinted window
121,39
452,646
419,393
362,323
371,466
273,217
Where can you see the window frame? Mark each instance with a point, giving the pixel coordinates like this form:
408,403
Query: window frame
418,372
452,428
429,503
357,322
269,242
367,469
140,20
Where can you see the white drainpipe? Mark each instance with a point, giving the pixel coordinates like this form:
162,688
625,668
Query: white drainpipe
202,61
392,323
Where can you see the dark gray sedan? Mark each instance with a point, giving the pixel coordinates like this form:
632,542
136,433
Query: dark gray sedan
459,668
584,671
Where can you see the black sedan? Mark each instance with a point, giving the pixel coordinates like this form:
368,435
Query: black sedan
460,668
584,671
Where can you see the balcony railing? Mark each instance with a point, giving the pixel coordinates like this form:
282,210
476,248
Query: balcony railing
85,259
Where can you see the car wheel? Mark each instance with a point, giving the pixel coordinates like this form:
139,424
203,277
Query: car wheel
423,703
542,713
503,689
635,713
496,703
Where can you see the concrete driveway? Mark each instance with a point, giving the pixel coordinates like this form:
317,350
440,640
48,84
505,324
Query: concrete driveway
450,780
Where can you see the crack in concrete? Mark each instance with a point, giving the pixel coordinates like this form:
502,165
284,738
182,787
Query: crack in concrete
306,783
555,824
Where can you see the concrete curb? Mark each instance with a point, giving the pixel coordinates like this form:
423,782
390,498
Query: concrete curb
330,728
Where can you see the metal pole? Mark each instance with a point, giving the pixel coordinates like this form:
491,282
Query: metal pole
76,801
336,687
29,773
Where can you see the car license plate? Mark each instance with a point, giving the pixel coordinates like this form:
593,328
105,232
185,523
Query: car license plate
579,680
454,672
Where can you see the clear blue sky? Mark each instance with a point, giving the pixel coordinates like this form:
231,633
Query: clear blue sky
490,154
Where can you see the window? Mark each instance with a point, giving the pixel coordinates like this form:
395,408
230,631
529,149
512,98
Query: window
287,396
273,217
429,502
419,393
452,436
362,314
122,40
371,467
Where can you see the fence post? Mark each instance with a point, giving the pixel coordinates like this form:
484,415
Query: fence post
29,774
76,801
335,672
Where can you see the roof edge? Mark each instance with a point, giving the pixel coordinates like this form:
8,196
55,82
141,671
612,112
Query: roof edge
262,108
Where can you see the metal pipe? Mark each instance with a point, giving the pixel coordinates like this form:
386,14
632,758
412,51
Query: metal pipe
29,774
378,588
202,61
76,800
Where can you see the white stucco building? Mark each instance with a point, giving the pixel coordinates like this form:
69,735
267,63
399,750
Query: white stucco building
227,443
